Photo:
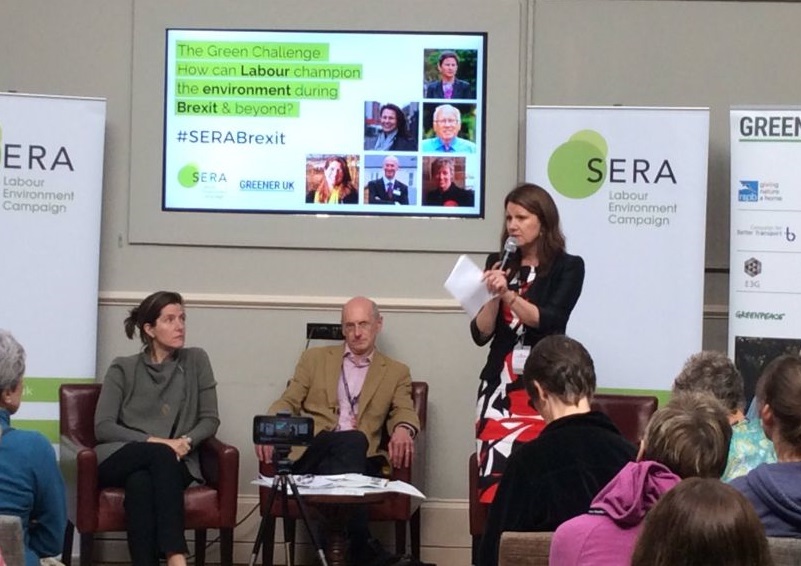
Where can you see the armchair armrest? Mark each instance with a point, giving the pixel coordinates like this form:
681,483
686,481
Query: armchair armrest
219,463
267,469
78,464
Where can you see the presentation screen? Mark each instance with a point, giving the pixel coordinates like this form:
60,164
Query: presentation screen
334,123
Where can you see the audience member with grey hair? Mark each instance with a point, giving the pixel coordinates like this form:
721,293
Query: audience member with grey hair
31,486
714,373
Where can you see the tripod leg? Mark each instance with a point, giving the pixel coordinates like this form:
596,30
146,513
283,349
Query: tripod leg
289,525
263,524
304,513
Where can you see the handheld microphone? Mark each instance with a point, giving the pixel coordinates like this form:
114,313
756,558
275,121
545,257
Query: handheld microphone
509,249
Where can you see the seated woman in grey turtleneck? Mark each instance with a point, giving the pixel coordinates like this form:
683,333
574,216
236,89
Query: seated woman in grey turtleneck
155,408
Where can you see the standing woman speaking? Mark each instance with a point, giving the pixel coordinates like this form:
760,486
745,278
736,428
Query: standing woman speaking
536,284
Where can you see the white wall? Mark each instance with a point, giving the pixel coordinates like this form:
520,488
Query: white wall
249,306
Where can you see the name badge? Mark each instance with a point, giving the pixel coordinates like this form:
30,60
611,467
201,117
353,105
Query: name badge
396,192
519,357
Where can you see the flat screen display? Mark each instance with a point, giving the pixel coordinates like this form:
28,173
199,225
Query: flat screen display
334,123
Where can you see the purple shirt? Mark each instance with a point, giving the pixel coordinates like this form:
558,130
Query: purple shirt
354,373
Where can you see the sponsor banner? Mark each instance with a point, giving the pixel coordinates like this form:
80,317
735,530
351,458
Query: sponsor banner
51,167
630,185
765,260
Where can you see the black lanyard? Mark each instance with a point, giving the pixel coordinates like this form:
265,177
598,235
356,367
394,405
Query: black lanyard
352,400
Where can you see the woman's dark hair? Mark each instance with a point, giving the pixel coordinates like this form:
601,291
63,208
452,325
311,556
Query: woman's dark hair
400,119
148,312
779,386
447,55
702,522
563,367
551,242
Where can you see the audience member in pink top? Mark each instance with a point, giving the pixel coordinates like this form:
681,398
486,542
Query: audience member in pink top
689,437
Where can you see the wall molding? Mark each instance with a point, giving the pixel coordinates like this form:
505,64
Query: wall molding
320,303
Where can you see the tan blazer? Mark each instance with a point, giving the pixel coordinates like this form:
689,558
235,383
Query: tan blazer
386,397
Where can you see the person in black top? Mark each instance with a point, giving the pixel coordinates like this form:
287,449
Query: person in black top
554,477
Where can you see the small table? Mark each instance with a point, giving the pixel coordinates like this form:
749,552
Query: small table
337,511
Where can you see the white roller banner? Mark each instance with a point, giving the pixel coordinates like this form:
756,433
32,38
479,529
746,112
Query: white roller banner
51,165
765,261
630,185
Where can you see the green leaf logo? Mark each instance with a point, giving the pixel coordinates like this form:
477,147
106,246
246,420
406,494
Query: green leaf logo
187,176
568,166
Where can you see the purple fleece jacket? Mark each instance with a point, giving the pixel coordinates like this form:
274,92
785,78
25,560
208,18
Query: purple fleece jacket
605,536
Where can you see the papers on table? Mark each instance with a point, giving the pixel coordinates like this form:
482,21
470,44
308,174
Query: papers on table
466,286
344,484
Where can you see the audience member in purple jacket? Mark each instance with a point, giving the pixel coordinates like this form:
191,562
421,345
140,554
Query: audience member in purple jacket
689,437
774,489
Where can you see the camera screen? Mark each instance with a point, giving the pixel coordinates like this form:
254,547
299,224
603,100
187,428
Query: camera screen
281,429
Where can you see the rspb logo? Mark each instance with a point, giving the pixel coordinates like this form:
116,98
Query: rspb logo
749,191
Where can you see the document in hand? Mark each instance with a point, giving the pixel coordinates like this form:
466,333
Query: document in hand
344,484
467,287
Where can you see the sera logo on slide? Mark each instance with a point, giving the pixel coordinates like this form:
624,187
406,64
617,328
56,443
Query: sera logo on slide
191,174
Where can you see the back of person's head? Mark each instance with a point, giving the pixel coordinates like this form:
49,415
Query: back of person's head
702,522
562,367
690,435
12,361
714,373
779,387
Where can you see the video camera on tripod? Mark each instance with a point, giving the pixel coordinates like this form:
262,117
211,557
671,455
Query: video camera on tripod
282,432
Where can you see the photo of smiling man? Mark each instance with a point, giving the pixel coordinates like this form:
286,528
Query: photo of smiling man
446,125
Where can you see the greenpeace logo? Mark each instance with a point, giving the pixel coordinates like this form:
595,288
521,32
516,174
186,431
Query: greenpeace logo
760,315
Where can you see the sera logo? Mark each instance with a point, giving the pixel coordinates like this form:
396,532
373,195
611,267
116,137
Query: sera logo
749,191
579,167
191,174
33,157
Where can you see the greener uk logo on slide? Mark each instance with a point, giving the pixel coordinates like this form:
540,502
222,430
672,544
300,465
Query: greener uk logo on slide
569,164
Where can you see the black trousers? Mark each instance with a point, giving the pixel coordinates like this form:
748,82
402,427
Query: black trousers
154,481
343,452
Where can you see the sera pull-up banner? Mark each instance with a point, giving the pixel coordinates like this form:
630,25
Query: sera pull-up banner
51,171
765,260
630,186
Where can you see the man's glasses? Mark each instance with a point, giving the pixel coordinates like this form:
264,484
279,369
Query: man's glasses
350,327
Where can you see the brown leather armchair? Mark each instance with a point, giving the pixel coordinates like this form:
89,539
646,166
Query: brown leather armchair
397,507
93,510
629,413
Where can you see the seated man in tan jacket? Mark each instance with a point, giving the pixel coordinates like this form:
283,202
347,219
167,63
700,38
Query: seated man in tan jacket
352,392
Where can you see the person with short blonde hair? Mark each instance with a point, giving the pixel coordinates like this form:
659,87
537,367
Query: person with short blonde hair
689,437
